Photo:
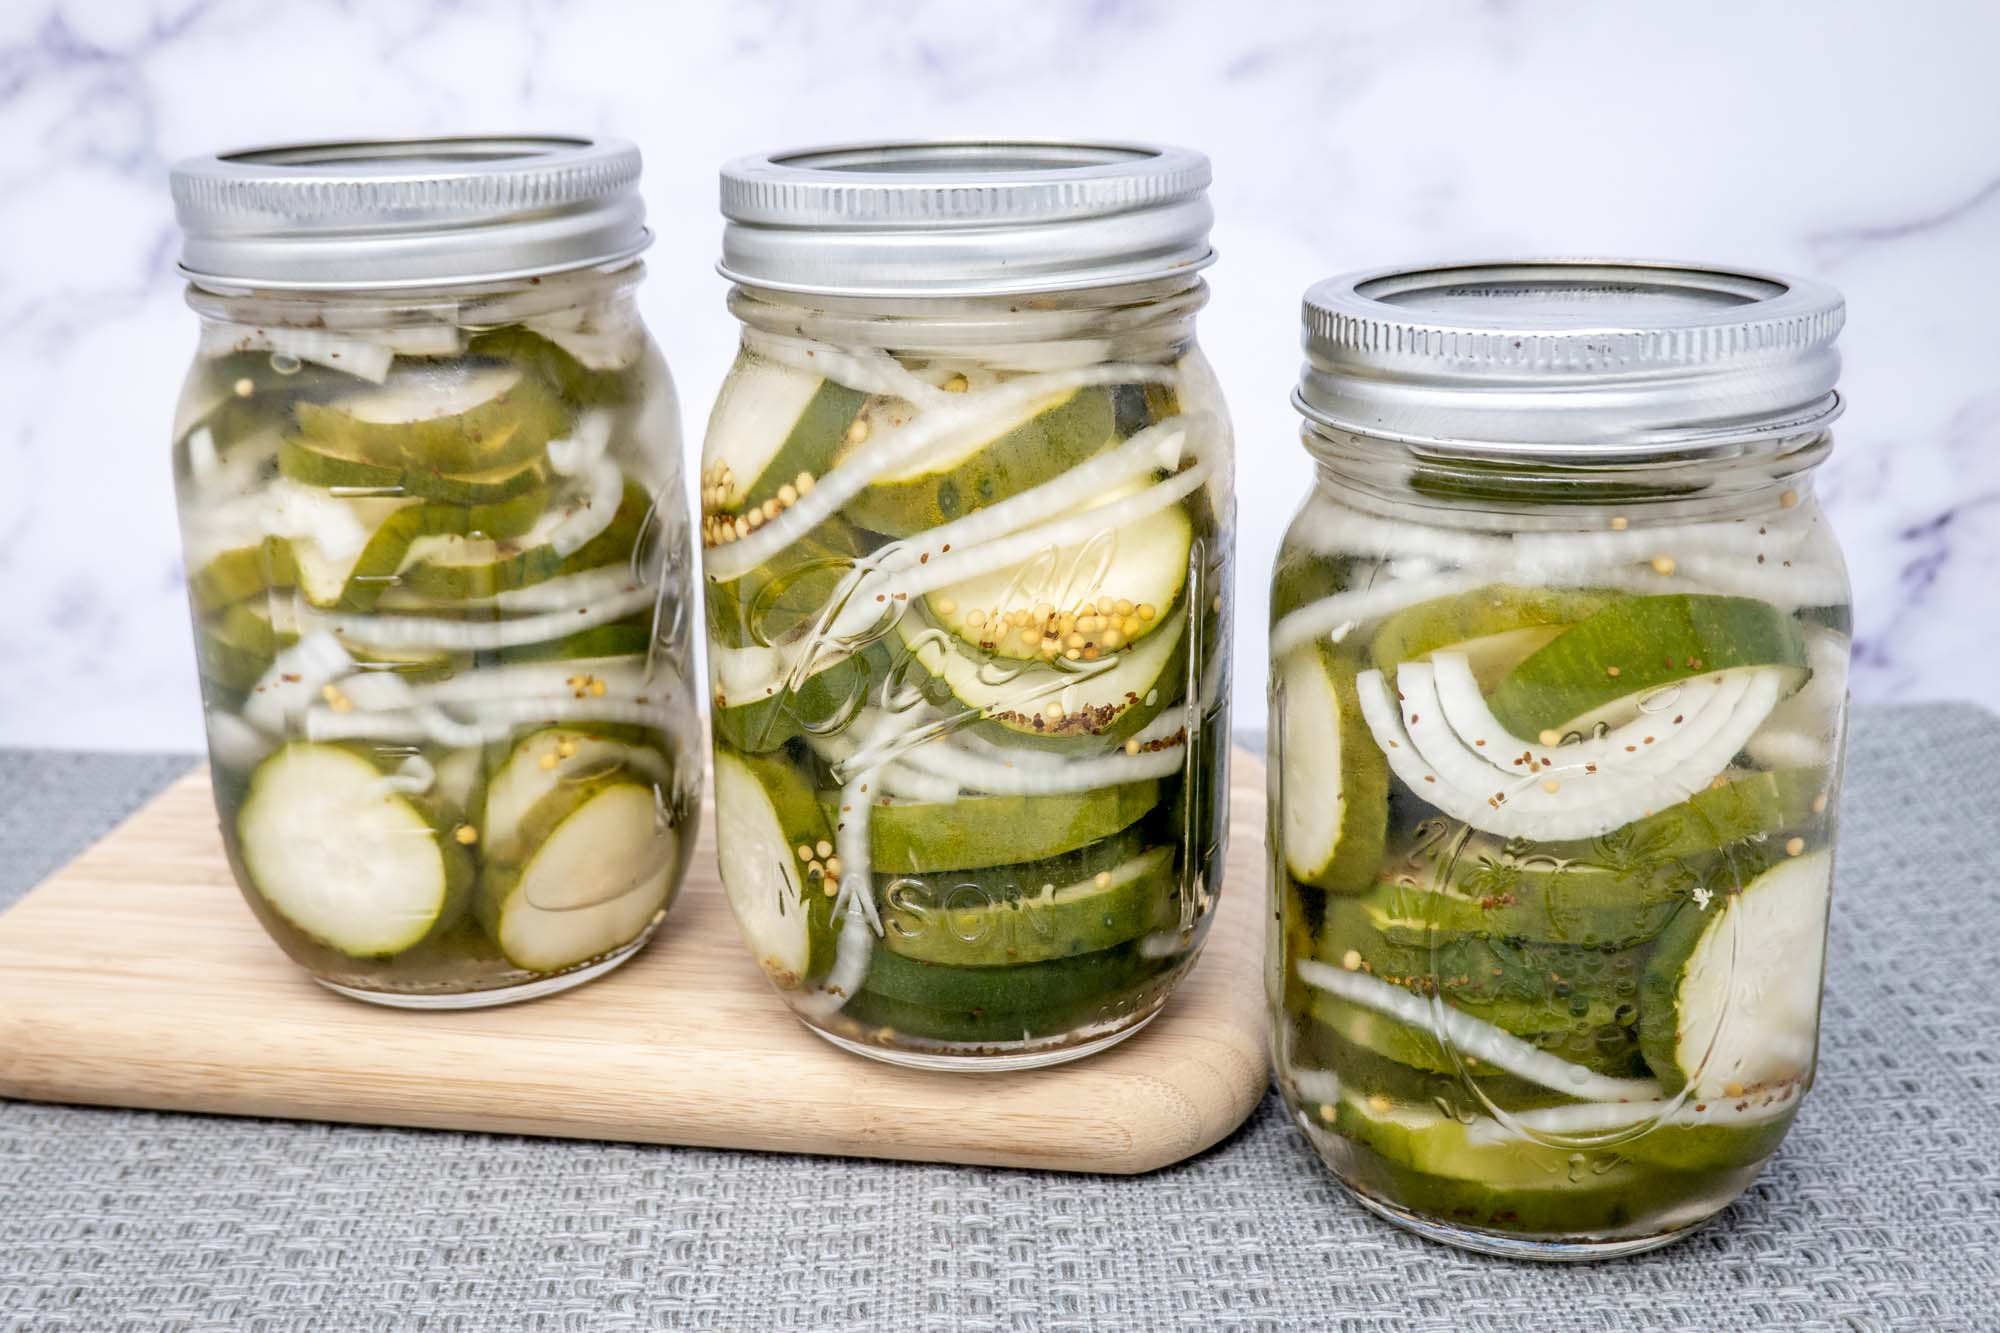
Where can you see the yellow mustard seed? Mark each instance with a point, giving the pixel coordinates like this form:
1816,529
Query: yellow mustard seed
1619,523
1663,565
1795,846
465,835
823,848
1789,499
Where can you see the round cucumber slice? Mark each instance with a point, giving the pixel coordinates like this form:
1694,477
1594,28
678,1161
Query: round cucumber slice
337,851
1096,597
1602,668
1332,784
958,920
984,1026
771,425
456,416
1497,628
1492,893
1731,998
1016,452
1691,1136
918,837
545,762
599,872
770,833
1070,705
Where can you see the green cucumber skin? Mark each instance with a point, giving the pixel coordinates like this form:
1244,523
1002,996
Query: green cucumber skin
617,544
574,381
915,839
1038,450
1658,641
1315,1045
1620,1202
760,726
303,462
810,447
992,917
1004,1004
790,592
511,428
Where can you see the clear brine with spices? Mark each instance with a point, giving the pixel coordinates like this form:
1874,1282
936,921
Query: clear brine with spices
966,553
1559,651
437,564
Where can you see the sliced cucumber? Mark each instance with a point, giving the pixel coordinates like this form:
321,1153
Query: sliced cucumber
755,708
1098,596
1332,784
918,837
1497,628
456,566
240,572
1434,1165
1744,805
377,568
1603,669
770,833
339,853
986,1026
1493,893
1060,984
1731,1000
771,424
1066,705
1372,1054
317,463
1016,452
600,867
554,364
459,417
546,761
961,921
1443,741
620,638
787,593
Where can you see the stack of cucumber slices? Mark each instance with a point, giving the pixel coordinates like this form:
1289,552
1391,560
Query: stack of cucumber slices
958,626
1553,903
450,754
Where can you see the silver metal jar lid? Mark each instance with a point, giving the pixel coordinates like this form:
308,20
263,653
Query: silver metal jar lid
951,218
390,213
1588,359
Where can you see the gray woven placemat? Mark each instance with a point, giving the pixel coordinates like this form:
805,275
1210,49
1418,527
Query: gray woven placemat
1882,1210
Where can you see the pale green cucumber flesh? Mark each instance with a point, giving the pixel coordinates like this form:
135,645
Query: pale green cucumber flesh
1731,997
1141,568
1332,783
773,843
334,850
598,867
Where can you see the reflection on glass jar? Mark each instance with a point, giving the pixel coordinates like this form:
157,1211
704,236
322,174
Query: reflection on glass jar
1559,645
965,511
429,483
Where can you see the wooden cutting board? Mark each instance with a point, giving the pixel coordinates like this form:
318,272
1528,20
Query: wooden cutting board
135,976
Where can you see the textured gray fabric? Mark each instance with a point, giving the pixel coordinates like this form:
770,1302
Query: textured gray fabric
1882,1210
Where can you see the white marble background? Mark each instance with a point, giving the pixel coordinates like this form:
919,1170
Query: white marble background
1857,141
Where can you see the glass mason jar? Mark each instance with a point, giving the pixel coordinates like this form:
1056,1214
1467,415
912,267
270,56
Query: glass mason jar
1559,651
428,468
966,512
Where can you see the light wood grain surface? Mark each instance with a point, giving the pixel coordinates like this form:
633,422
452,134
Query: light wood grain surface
136,976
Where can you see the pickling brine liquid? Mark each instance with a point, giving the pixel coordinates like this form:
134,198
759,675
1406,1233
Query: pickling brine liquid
437,568
967,579
1554,788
